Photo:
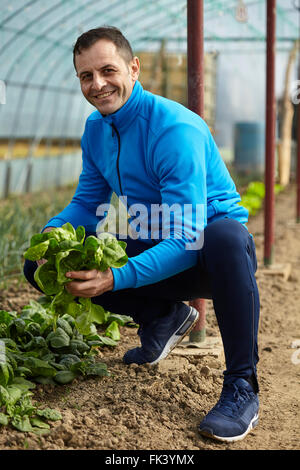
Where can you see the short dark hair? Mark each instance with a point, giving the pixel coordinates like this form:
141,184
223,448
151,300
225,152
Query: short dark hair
111,33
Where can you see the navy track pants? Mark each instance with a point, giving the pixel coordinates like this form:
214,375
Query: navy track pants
225,273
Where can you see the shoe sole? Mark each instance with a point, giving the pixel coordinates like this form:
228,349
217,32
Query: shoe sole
252,425
179,334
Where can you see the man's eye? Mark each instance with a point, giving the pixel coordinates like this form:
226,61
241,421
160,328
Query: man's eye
108,70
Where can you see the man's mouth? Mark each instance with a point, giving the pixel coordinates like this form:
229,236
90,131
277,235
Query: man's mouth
104,95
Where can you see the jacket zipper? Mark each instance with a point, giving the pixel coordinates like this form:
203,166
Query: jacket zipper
118,157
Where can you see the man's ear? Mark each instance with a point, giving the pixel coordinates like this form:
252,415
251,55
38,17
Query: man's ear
135,68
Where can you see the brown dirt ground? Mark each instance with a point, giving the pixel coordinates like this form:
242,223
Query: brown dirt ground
159,408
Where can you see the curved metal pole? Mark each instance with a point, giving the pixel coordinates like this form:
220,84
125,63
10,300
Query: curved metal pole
28,25
58,23
15,13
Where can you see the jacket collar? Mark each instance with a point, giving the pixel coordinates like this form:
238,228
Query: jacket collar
126,115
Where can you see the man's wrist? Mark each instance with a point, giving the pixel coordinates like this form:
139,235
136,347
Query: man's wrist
110,279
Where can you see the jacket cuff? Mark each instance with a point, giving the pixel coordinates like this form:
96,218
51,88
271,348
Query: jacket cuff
125,277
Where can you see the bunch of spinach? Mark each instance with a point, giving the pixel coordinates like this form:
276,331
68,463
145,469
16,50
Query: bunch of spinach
67,249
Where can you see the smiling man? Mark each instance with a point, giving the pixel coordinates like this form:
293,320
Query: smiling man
156,153
105,80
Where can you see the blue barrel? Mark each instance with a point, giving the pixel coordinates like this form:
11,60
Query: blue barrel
249,147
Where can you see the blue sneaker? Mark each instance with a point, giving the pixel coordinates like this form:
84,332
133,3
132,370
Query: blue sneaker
235,414
160,336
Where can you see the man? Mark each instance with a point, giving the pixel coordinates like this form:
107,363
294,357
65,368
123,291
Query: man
157,153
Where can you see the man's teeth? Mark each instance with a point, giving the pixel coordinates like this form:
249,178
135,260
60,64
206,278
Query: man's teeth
103,95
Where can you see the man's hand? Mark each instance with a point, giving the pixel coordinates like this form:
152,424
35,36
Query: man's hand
90,283
43,260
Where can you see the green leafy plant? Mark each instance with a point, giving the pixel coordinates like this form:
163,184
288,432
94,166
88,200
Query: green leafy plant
17,408
252,198
55,339
31,351
67,249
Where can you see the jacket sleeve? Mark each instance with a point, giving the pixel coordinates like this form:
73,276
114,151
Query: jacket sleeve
179,160
91,191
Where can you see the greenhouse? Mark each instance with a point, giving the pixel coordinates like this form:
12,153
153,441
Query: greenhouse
218,128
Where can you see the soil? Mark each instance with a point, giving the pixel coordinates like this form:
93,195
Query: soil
159,408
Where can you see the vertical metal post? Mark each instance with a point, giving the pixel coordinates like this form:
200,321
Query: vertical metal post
28,180
298,159
270,133
195,56
298,131
195,70
7,179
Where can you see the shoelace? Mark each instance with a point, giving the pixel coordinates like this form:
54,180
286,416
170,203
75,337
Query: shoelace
231,401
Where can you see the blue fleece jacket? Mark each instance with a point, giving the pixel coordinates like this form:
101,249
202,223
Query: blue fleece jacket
153,151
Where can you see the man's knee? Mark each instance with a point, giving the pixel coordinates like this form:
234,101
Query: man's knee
29,270
226,237
229,247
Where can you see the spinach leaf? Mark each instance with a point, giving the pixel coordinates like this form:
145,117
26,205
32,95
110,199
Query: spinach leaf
69,260
37,252
64,377
46,278
98,369
120,319
39,367
113,331
4,395
108,341
68,359
17,327
65,325
22,383
22,423
15,394
80,233
114,254
35,421
58,338
4,419
48,413
6,317
4,374
66,232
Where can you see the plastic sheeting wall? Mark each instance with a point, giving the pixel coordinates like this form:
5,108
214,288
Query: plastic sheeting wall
46,173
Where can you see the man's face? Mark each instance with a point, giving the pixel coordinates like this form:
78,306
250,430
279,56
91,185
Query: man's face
106,79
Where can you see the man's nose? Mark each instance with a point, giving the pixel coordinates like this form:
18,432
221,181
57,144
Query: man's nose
98,81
